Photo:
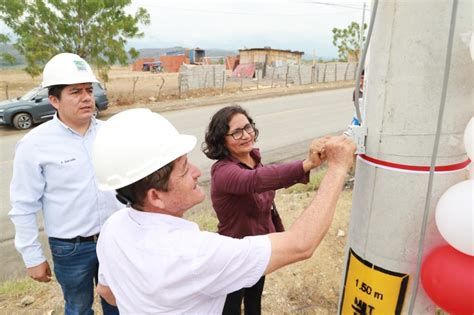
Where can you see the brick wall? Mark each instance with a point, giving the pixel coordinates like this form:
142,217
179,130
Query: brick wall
138,64
173,63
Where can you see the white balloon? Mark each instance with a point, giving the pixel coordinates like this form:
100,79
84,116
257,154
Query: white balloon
469,138
455,216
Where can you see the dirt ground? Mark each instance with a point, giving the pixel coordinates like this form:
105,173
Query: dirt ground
124,87
120,88
312,286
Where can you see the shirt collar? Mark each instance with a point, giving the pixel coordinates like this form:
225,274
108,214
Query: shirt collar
153,218
255,154
92,125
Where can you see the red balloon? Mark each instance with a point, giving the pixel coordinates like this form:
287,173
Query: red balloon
447,276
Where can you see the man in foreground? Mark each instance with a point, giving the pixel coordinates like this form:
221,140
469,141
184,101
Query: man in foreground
154,261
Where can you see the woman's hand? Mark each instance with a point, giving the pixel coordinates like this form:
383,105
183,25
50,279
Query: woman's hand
316,154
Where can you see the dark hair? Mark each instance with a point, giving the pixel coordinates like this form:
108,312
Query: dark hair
56,90
214,144
135,193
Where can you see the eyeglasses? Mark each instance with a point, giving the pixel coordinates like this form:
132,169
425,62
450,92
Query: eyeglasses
237,134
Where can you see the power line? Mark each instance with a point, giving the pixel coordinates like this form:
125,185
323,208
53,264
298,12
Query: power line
260,13
223,12
335,5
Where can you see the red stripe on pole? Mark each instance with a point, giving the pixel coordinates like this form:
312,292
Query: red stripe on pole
442,168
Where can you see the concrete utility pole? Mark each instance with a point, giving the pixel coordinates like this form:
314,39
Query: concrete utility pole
408,54
361,30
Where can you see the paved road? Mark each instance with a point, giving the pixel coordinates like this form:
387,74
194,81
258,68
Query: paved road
286,124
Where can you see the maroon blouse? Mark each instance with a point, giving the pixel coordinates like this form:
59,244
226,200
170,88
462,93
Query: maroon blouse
242,197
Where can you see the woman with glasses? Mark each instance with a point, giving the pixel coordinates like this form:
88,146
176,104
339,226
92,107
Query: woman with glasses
243,190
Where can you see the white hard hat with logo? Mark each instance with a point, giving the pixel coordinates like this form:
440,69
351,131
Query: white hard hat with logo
133,144
67,68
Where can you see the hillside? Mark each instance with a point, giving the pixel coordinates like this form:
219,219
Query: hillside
144,53
9,49
157,52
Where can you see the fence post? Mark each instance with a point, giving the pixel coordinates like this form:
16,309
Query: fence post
313,68
6,91
317,73
179,85
287,72
345,72
324,74
299,74
135,79
223,81
214,76
273,75
205,79
257,75
161,86
355,70
335,72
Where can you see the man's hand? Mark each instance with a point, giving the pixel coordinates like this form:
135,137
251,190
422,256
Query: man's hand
105,292
339,152
41,273
316,154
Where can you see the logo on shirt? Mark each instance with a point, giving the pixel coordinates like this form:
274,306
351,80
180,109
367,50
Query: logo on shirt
67,161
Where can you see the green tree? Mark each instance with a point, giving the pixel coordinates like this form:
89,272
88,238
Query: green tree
347,40
96,30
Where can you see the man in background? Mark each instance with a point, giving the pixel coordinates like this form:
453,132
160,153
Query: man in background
52,171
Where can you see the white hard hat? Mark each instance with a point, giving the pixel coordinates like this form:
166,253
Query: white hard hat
66,68
133,144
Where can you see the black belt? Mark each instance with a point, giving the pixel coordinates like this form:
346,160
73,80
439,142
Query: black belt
81,239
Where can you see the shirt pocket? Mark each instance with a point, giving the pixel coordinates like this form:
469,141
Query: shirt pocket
61,248
263,202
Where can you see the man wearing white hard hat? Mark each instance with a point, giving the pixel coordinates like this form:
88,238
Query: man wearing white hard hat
152,261
53,172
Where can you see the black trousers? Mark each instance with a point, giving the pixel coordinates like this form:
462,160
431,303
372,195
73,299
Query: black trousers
252,300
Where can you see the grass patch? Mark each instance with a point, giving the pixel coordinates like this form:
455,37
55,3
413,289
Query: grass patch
205,218
19,287
314,182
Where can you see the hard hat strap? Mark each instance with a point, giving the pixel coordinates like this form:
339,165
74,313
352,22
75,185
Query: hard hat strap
128,203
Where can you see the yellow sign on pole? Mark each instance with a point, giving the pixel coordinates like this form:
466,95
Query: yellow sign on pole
371,290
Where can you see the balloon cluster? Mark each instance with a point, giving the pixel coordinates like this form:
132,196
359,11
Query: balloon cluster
447,272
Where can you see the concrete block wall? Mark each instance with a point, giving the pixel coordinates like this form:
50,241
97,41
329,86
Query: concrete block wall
308,74
278,73
203,76
301,74
194,77
331,72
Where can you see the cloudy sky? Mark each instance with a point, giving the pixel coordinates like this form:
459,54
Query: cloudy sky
303,25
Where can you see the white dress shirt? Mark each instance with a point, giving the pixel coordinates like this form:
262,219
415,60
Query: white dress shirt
53,171
160,264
